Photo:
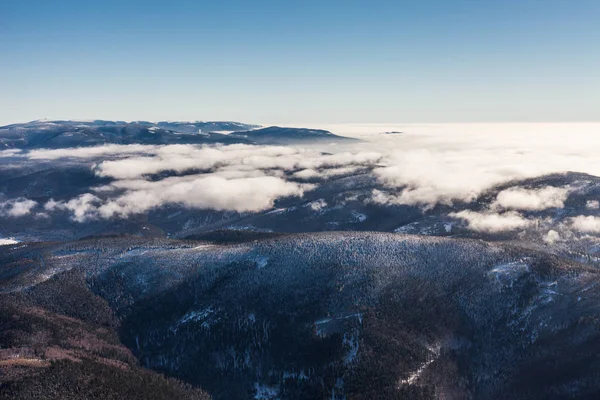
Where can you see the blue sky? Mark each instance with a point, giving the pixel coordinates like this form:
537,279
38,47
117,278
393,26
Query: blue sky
301,62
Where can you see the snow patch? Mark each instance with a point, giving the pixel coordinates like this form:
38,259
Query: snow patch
317,205
206,316
351,341
276,211
248,228
261,262
413,377
264,392
548,292
358,217
506,274
326,326
4,241
203,247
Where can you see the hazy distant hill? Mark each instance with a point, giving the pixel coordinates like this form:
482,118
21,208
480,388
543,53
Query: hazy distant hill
60,134
276,134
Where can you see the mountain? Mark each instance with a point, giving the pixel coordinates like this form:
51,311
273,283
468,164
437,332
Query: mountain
335,285
336,315
210,126
61,134
280,135
71,350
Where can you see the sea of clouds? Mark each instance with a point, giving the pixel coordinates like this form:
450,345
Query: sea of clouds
419,164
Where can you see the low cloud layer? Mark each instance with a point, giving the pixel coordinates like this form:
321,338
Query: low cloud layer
424,166
181,158
445,163
239,177
203,192
88,152
531,199
490,222
592,204
551,237
586,224
82,208
15,208
197,191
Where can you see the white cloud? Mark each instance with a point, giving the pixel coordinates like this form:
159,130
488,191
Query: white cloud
306,174
181,158
427,197
426,165
88,152
317,205
426,178
16,207
491,222
551,237
310,173
212,192
52,205
447,162
238,177
10,152
196,191
7,241
592,204
82,208
531,199
587,224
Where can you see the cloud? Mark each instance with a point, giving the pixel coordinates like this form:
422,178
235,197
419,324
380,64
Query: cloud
307,174
203,192
492,222
15,208
592,204
239,177
197,192
427,197
445,163
587,224
89,152
427,165
181,158
135,160
82,208
317,205
10,153
52,205
531,199
551,237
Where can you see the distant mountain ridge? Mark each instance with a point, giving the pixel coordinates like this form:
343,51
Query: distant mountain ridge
62,134
278,134
205,126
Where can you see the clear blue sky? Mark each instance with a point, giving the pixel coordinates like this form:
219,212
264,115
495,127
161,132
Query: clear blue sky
301,61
